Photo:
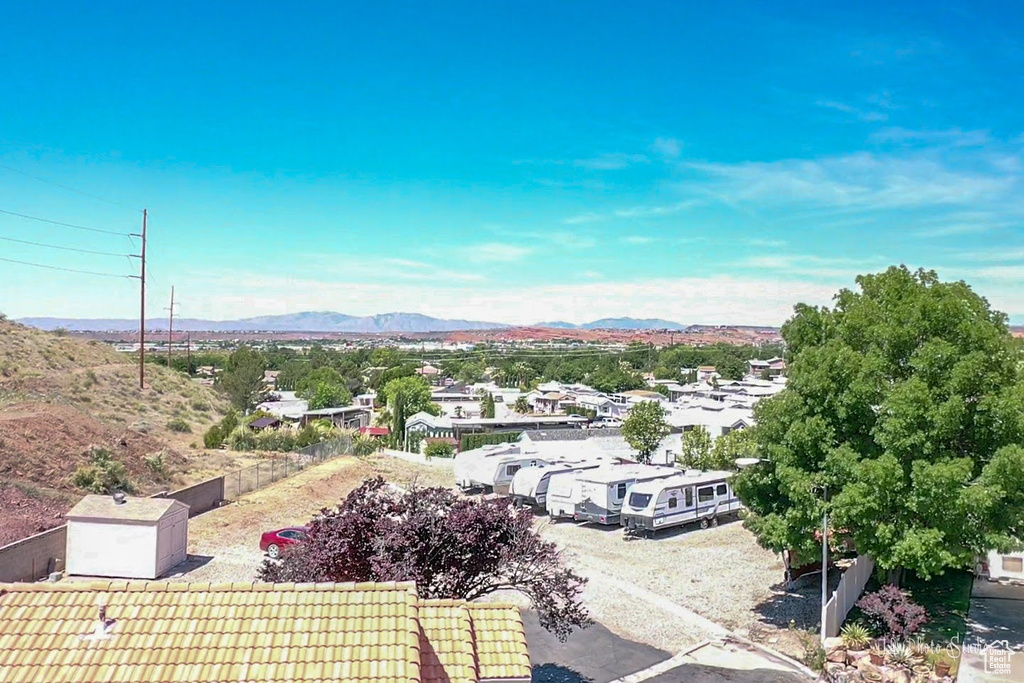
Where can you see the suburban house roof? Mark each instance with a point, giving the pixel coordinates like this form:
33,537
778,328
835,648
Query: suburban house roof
707,368
375,431
254,632
264,422
327,412
132,510
432,421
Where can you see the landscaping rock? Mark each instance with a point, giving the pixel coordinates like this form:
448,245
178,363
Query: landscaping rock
836,656
854,656
897,676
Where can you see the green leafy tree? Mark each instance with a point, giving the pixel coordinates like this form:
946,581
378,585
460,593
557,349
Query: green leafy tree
905,400
405,397
739,443
324,388
644,428
695,452
242,379
521,406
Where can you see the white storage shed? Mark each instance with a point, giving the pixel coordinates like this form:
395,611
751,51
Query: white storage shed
123,537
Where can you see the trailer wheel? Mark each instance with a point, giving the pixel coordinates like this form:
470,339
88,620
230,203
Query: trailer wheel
704,523
714,521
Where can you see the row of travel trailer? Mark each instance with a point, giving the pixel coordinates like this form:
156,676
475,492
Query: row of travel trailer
600,489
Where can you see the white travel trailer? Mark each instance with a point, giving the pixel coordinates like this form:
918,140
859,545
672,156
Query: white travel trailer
563,494
492,467
531,484
692,496
603,490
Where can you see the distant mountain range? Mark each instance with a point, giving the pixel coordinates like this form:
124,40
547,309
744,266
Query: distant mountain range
326,321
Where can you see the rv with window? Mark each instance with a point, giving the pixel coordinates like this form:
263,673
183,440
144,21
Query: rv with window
492,467
691,496
531,484
603,490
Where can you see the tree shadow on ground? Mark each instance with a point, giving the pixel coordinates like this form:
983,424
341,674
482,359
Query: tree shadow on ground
553,673
799,603
672,532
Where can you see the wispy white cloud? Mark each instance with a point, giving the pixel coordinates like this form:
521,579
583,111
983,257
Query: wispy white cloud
669,148
611,161
860,181
955,137
712,300
761,242
584,218
370,269
638,239
496,252
811,265
654,211
862,114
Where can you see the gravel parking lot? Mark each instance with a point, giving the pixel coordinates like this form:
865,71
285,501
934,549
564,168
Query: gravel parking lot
642,589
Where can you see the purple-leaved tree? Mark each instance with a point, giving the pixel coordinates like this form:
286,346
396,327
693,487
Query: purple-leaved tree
452,547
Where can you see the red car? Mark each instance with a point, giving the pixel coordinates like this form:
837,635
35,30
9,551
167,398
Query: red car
271,542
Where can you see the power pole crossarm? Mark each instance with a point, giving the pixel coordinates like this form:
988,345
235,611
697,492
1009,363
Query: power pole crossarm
142,307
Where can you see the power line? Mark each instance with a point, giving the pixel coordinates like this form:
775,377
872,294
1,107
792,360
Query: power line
69,270
66,187
66,225
54,246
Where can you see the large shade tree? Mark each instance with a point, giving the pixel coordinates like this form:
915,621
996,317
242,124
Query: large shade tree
905,404
451,546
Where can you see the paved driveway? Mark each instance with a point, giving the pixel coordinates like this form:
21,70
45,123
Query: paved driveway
997,614
594,655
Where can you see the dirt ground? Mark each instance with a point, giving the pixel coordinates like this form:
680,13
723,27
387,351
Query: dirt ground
224,543
641,589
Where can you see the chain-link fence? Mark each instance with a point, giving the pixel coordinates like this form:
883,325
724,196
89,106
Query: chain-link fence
278,467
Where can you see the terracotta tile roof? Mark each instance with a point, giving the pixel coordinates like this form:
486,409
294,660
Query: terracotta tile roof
500,640
252,632
446,642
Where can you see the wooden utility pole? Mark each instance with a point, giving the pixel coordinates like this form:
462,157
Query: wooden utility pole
188,352
142,307
170,329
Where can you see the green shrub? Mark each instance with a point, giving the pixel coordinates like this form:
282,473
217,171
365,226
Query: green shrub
275,440
180,425
365,445
440,449
199,405
103,474
214,437
156,463
242,438
472,441
855,636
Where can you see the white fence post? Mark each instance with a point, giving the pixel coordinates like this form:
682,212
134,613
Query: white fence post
846,594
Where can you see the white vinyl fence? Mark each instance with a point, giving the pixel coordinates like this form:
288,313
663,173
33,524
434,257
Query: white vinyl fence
846,594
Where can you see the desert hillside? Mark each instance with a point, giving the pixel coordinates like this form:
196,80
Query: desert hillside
62,399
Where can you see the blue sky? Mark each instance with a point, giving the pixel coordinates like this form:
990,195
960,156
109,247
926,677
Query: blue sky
516,162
